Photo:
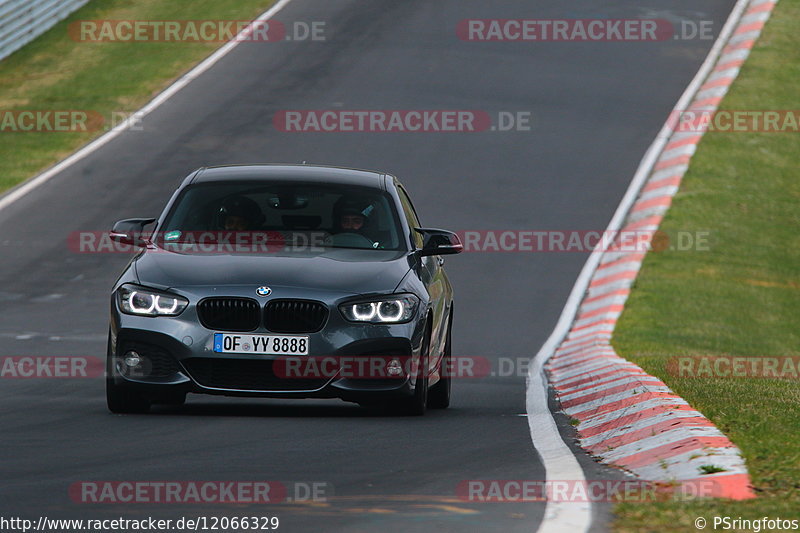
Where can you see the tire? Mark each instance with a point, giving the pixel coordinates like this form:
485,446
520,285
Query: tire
123,401
119,399
417,404
174,400
439,394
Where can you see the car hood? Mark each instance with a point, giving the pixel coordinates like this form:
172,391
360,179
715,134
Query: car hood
339,270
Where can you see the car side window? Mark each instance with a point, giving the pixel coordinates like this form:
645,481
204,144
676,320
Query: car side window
411,216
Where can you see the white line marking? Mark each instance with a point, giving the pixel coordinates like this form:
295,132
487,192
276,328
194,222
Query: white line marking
27,186
559,462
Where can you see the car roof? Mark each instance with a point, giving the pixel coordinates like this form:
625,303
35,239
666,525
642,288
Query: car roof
289,172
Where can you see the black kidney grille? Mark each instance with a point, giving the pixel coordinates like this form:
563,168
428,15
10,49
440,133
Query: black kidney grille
295,316
244,374
229,314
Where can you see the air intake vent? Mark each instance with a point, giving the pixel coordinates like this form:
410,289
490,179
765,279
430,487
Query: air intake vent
156,362
295,316
229,314
244,374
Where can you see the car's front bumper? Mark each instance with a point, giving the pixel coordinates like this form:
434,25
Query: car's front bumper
178,357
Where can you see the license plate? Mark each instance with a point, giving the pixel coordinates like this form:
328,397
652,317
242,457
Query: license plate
261,344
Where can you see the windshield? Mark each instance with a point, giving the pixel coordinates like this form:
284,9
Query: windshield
324,215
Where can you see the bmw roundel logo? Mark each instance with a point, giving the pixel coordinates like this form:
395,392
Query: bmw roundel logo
263,291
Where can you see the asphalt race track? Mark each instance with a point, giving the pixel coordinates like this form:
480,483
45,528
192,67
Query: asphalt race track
595,108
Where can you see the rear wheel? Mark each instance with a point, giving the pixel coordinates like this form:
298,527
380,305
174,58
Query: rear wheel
439,395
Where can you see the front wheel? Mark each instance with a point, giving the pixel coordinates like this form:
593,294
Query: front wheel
416,404
124,401
120,399
439,395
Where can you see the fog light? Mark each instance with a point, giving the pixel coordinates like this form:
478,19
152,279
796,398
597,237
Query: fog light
394,368
132,359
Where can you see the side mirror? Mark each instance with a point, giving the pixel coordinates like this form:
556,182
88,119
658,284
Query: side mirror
439,242
130,230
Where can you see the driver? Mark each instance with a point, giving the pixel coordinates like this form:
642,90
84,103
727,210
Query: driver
351,215
239,213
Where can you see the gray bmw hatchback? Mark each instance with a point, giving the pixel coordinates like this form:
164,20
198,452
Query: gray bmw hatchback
285,281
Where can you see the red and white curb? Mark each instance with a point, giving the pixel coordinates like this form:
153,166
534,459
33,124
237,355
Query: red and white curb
626,417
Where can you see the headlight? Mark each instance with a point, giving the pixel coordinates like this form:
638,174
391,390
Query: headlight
384,311
135,300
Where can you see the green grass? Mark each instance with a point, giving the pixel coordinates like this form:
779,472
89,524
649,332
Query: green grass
56,72
741,297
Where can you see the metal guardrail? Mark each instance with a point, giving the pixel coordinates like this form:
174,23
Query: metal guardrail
21,21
